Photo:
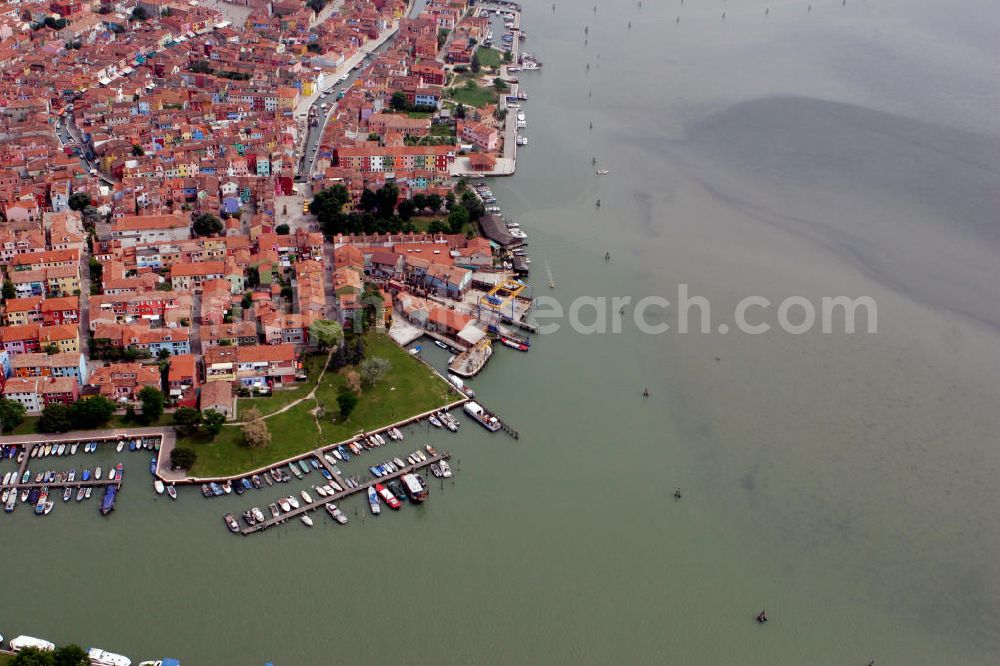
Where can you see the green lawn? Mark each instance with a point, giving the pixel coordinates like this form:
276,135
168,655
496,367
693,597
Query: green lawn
489,57
281,397
410,388
477,97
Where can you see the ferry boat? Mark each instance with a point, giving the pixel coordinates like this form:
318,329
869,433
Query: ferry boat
373,501
416,487
108,501
484,418
100,657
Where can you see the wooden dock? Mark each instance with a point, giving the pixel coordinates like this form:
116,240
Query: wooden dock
347,492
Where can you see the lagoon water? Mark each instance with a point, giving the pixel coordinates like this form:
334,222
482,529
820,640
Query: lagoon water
846,483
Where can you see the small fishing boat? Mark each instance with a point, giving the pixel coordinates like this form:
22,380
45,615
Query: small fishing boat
249,518
67,494
89,491
373,502
108,501
268,479
435,422
387,496
274,510
306,496
98,473
206,490
283,503
47,508
231,523
158,487
436,470
121,445
256,481
336,513
172,492
72,449
320,490
295,470
80,494
257,514
307,520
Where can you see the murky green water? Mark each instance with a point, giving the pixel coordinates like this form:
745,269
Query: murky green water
847,484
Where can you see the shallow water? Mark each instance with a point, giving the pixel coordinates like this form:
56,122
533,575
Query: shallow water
846,483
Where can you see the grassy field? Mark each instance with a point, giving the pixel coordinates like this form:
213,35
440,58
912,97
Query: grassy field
477,97
280,398
489,57
410,388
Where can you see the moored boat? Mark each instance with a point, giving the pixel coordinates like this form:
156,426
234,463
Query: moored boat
172,492
416,487
336,513
81,493
98,472
306,496
306,519
67,494
484,418
373,502
158,487
108,500
100,657
445,469
231,523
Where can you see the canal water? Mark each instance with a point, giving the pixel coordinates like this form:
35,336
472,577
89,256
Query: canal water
844,483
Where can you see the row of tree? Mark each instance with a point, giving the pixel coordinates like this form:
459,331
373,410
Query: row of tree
95,411
379,212
66,655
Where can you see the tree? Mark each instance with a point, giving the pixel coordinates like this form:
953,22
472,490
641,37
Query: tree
282,230
457,219
201,67
8,290
79,200
206,224
253,277
475,65
70,655
373,136
55,418
212,421
139,14
255,430
352,380
137,150
436,227
374,370
346,402
460,111
33,657
51,348
325,333
500,85
187,420
398,101
406,209
183,458
152,403
91,412
247,301
316,5
508,56
11,415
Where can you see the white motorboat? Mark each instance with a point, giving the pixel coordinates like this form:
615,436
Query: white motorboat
306,497
100,657
121,445
445,468
158,486
294,503
97,473
321,490
307,520
72,449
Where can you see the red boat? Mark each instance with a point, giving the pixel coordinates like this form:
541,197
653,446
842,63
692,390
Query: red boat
514,343
387,496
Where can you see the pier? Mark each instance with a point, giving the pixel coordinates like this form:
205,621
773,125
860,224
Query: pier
346,492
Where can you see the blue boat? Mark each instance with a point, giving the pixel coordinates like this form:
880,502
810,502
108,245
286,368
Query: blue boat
152,466
327,474
238,487
344,452
108,501
33,495
246,483
216,488
314,463
86,475
131,445
377,471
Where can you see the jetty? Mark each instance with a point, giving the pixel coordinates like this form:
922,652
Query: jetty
346,492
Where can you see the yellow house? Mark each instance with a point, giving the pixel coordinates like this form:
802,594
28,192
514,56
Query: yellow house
65,336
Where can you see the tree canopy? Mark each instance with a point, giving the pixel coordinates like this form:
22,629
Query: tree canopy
55,418
11,415
91,412
346,402
152,403
187,420
325,333
212,421
183,457
79,200
206,224
255,430
374,370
